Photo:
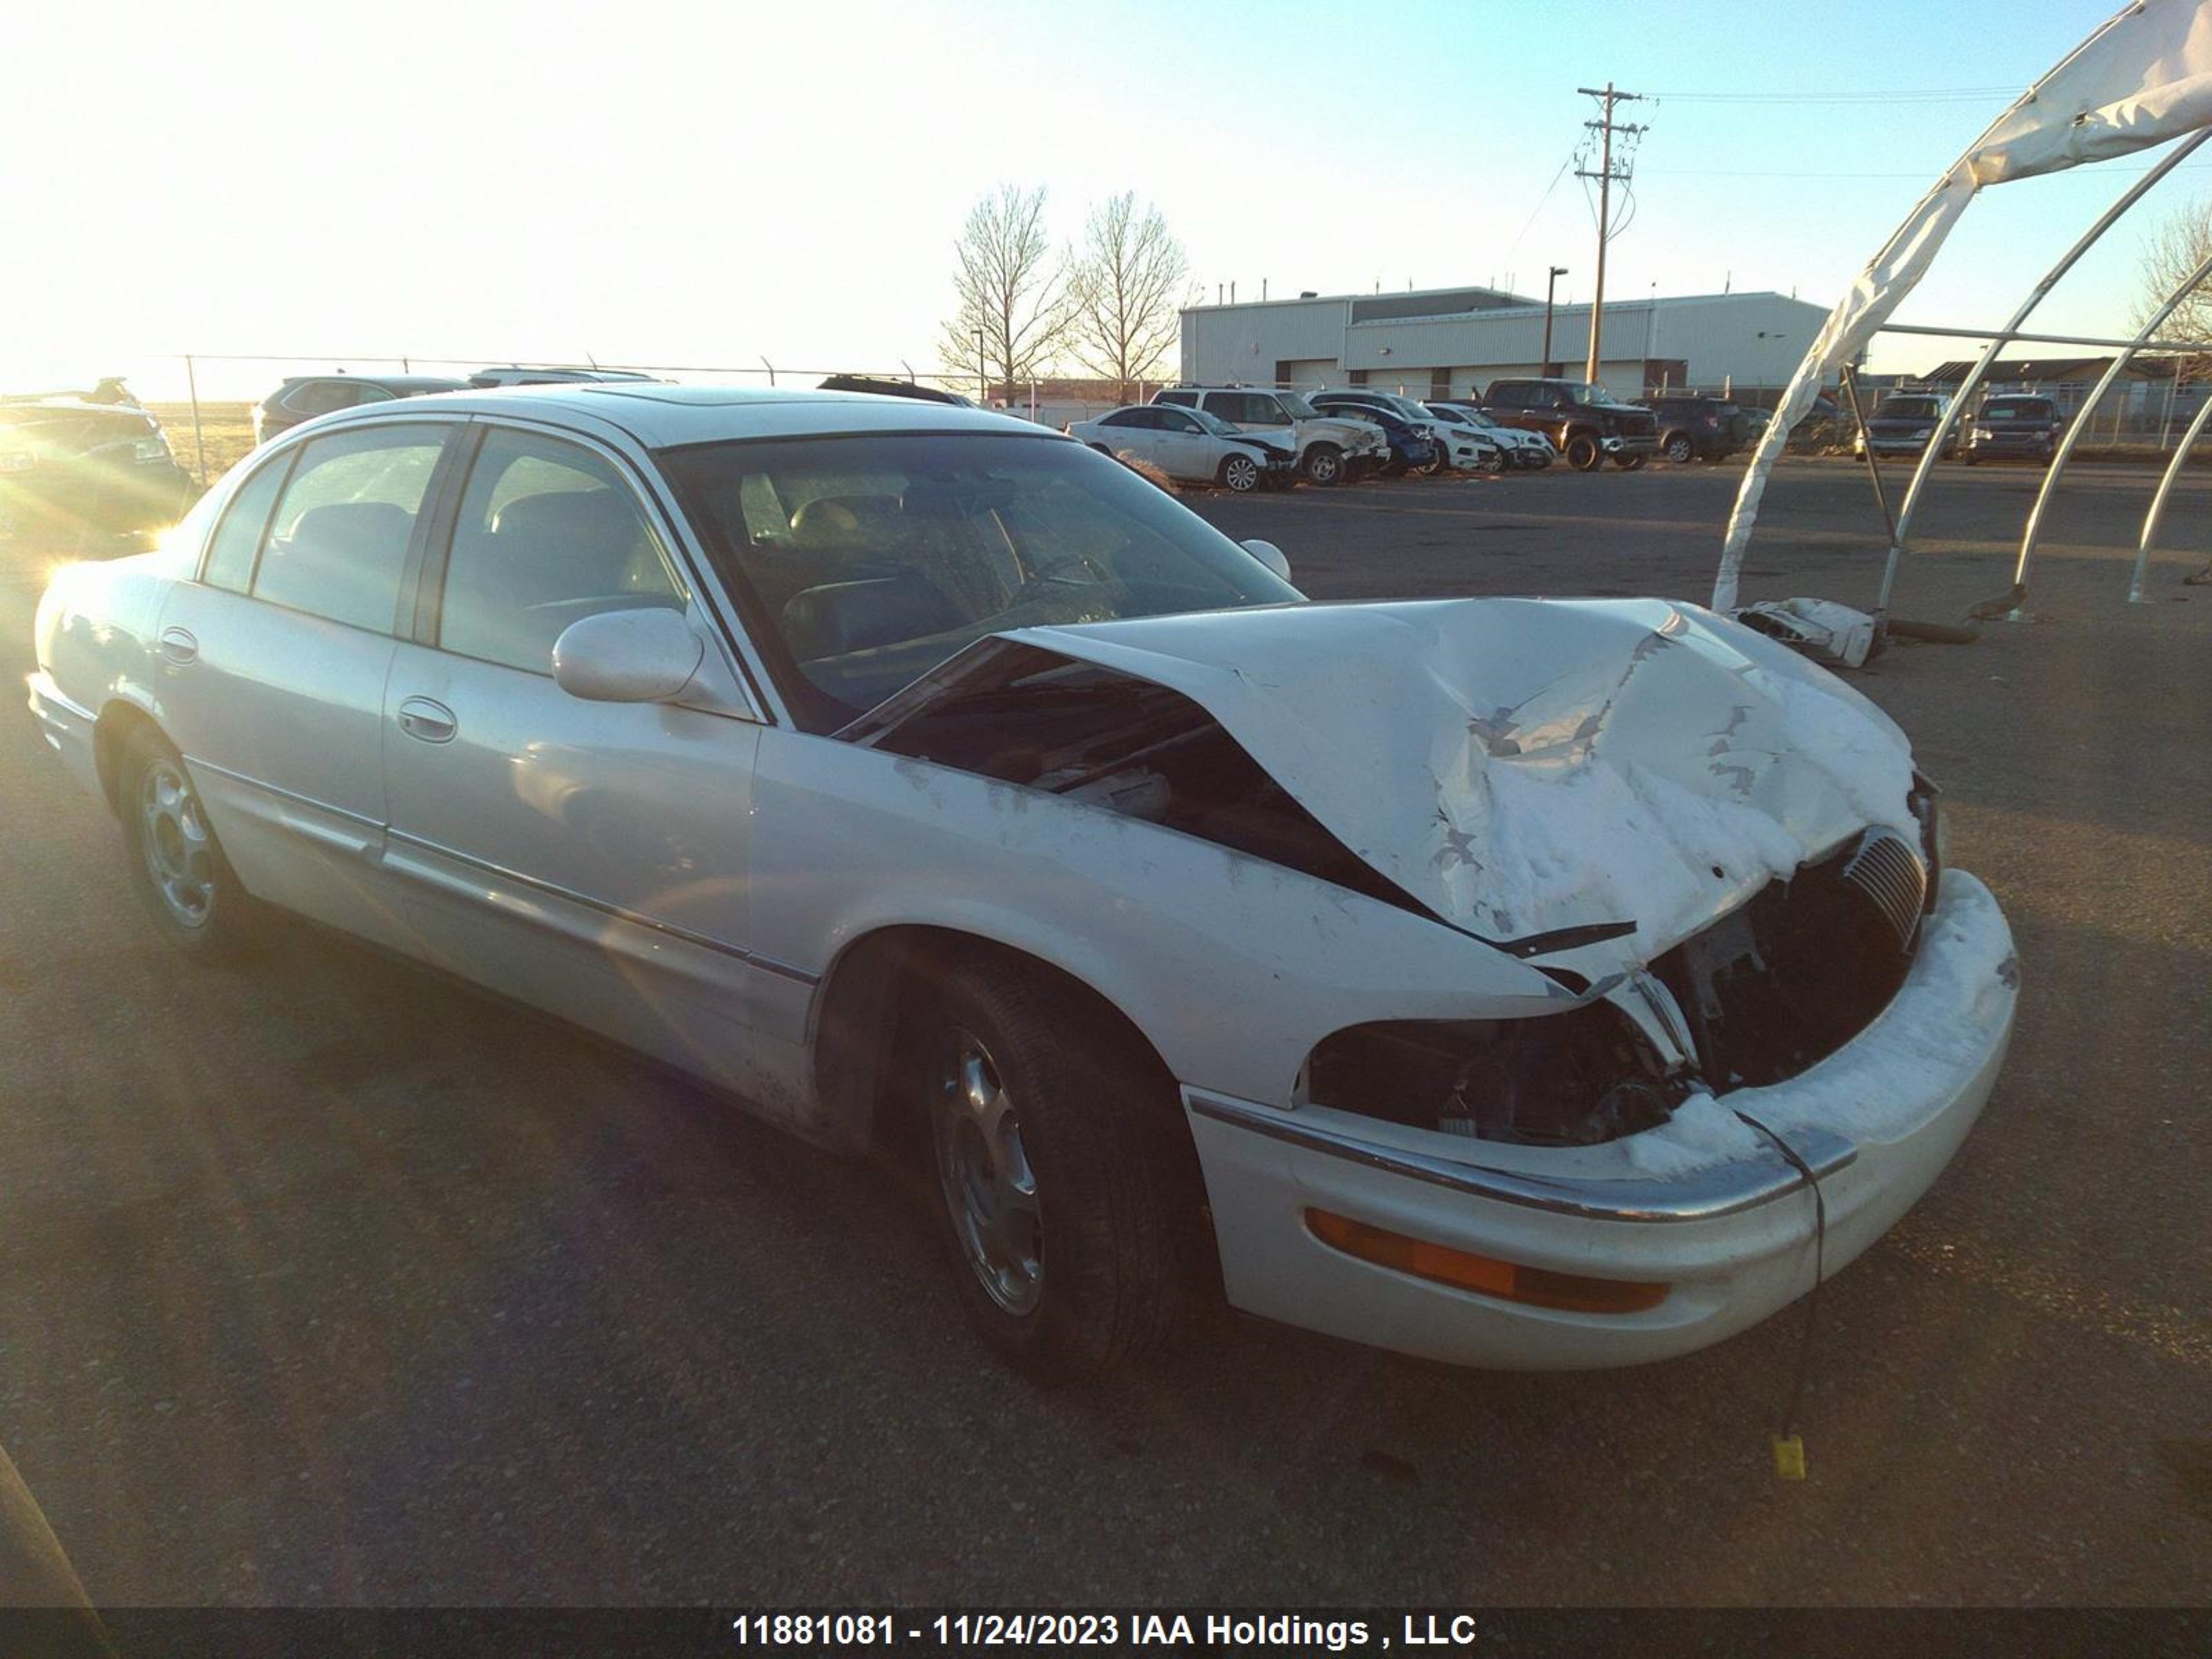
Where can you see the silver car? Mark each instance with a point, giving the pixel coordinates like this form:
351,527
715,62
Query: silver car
1484,978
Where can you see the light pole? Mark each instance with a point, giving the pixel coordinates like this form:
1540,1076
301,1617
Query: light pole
1550,287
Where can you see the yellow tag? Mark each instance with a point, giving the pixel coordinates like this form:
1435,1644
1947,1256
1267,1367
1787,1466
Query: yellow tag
1789,1457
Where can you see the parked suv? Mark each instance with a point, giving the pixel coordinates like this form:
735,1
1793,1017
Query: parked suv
2012,425
1904,423
1699,428
303,397
1330,448
1585,423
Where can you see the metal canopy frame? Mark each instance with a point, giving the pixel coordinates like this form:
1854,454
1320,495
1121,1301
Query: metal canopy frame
2011,333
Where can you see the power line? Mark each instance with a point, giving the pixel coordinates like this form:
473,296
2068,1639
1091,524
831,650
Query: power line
1944,96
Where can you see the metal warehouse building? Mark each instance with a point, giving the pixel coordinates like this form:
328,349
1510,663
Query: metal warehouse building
1434,342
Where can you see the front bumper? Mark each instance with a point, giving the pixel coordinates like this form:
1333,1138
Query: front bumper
2028,446
1635,444
1726,1223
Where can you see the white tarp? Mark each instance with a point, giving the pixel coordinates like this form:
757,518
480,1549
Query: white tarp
2144,77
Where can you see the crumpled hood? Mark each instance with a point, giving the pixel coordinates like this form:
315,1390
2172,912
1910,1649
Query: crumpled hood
1521,766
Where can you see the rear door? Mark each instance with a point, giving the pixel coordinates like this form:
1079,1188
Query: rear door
588,857
273,663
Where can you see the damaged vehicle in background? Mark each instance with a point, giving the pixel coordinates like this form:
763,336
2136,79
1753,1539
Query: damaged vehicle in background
77,467
1193,446
1484,978
1330,450
1904,423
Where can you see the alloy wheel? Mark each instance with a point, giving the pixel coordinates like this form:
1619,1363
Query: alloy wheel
990,1191
173,839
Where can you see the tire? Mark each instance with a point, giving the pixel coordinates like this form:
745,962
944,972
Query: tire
1679,448
1972,460
1065,1184
1240,473
1439,462
1582,453
1324,466
1629,462
176,865
1495,461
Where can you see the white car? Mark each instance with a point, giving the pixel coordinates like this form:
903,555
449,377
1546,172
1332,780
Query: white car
1330,449
1487,979
1521,449
1196,447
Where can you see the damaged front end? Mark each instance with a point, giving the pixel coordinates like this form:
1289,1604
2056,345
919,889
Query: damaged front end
1719,854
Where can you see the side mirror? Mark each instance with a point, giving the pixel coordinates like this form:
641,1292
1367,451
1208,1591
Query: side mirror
1271,555
627,656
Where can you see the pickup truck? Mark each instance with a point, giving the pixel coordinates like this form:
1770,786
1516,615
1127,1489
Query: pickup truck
1585,423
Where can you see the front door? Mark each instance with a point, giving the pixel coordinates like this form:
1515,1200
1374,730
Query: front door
587,857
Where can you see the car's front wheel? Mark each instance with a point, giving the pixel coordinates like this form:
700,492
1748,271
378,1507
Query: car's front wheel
1582,453
1240,473
1494,461
1324,465
177,866
1068,1189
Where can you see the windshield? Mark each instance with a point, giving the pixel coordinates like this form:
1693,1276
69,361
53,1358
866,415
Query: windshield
1215,424
1297,407
1589,392
2017,409
1907,409
862,562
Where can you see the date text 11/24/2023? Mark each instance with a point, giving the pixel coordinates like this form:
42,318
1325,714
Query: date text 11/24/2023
962,1631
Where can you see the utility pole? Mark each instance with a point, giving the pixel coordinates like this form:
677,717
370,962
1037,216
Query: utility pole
1605,126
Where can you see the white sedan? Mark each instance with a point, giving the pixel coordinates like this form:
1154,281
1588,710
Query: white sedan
1193,446
1491,980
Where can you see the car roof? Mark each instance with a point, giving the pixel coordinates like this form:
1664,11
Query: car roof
662,416
390,382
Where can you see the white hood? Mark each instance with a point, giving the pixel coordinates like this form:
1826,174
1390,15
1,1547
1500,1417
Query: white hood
1521,766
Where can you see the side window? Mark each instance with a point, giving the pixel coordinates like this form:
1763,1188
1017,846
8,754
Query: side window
320,396
1122,417
371,394
1508,397
337,542
1270,410
1170,421
244,521
1188,399
548,533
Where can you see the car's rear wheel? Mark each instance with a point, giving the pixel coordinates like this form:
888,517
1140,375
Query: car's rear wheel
1324,465
1240,473
177,866
1679,448
1582,453
1068,1190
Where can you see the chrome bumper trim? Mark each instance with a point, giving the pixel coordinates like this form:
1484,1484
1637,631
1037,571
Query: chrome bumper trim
1725,1190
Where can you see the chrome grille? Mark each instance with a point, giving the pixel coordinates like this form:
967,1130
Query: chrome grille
1885,868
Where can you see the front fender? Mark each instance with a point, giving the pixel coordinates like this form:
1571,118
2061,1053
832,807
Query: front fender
1233,968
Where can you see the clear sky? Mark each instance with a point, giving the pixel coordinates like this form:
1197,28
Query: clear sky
721,183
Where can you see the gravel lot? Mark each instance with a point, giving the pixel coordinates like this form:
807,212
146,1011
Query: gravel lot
326,1281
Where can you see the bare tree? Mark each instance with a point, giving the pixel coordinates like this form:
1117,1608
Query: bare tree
1127,290
2182,242
1012,287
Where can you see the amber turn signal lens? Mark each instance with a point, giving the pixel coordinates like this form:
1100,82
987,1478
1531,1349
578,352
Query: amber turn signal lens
1539,1287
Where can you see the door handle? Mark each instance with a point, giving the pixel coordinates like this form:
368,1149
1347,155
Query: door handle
432,722
178,646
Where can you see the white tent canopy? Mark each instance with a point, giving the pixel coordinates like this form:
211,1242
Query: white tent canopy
2144,77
